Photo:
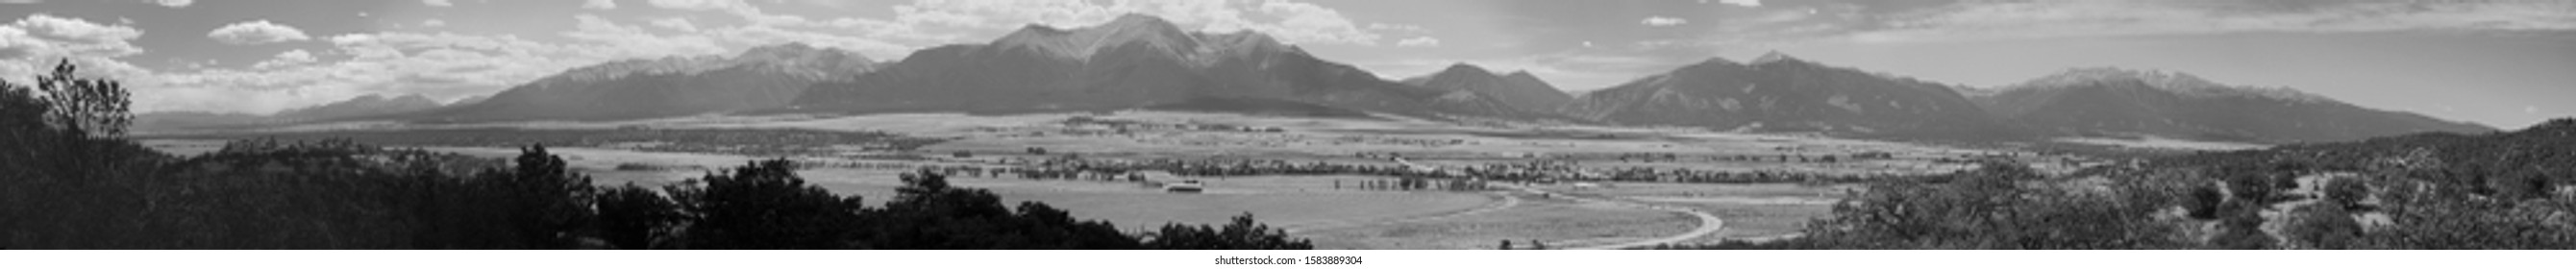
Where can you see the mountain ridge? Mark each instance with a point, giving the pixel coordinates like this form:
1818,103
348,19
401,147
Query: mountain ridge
1133,62
1518,89
2110,101
762,77
1780,93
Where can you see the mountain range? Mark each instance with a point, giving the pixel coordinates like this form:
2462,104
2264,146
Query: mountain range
1131,62
2121,102
362,106
762,77
1778,93
1144,62
1518,89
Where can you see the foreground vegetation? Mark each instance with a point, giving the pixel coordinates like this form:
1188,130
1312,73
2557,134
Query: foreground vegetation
2431,191
69,180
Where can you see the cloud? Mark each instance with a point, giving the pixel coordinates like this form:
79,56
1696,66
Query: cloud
174,3
37,41
1403,28
1661,21
433,23
599,4
441,65
676,23
284,59
75,28
2049,19
1424,41
437,3
1290,21
2530,109
256,32
1747,3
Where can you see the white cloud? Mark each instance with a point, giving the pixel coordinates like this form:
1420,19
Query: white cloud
1424,41
599,4
1748,3
256,32
2047,19
676,23
442,65
437,3
174,3
433,23
1405,28
725,5
285,59
2531,109
75,28
1660,21
38,41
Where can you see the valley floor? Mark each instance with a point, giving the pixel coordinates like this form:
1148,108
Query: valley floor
1331,209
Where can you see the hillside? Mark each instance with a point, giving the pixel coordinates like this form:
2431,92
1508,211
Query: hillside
763,77
2120,102
1518,89
1784,94
1134,61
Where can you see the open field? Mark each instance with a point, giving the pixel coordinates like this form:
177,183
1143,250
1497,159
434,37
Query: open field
1556,222
666,151
1750,210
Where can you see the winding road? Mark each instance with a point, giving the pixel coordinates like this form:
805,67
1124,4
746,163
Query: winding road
1507,202
1708,224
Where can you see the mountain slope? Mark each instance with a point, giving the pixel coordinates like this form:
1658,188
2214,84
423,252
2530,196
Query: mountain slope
362,106
1134,61
763,77
1779,93
2109,101
358,107
1519,89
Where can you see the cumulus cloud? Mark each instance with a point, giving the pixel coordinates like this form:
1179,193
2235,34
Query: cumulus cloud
443,65
174,3
2043,19
599,4
256,32
38,41
675,23
75,28
1660,21
284,59
1424,41
1407,28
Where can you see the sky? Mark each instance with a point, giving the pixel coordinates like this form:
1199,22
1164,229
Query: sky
2506,64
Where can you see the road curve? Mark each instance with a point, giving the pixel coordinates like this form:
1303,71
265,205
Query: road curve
1708,224
1505,201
